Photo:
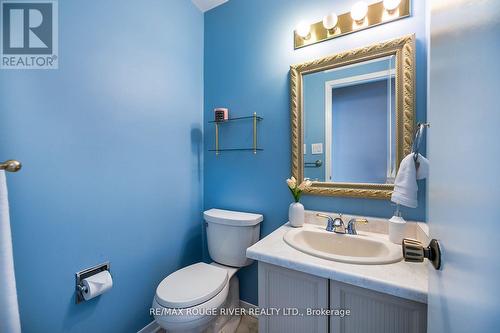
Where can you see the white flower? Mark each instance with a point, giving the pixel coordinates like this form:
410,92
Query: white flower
305,184
291,183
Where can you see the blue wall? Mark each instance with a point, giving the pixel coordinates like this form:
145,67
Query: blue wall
249,50
112,151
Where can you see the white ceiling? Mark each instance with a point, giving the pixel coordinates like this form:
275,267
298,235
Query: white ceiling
205,5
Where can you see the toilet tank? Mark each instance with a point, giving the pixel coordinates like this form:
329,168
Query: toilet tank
229,234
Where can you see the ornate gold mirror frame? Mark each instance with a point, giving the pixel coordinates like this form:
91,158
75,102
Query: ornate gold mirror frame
404,50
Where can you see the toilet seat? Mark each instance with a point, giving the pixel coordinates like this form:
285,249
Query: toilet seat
213,292
190,317
191,286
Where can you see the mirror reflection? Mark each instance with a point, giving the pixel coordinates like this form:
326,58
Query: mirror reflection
350,123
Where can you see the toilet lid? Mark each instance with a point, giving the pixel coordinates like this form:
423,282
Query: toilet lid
191,285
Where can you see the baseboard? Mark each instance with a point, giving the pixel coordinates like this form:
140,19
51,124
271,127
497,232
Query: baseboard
246,306
152,327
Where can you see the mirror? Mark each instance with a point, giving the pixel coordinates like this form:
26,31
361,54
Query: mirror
352,119
349,123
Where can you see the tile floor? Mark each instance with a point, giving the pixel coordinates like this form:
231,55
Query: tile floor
248,324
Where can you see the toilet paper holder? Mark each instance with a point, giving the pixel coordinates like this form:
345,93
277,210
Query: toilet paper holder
80,288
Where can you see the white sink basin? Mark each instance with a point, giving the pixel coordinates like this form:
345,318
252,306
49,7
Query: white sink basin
354,249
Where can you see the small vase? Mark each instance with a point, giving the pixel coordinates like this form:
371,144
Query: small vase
296,214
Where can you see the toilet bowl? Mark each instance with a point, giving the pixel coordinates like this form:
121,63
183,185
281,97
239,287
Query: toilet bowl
196,298
188,300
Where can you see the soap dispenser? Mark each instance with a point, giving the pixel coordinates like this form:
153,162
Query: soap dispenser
397,227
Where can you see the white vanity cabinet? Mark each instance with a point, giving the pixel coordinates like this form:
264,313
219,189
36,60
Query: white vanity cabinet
284,288
370,311
374,312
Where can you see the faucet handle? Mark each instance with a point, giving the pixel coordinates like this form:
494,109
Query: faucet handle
362,221
351,226
333,223
330,225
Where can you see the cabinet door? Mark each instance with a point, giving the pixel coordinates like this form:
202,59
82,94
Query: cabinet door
374,312
283,288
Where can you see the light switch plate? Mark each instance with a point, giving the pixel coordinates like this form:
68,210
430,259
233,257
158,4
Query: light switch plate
317,148
305,148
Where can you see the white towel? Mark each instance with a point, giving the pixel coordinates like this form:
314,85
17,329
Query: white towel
423,168
405,185
9,310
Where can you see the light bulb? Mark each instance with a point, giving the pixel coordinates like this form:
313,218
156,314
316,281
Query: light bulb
359,11
303,29
391,5
330,21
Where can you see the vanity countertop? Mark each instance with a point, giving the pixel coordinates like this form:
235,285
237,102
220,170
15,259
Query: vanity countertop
402,279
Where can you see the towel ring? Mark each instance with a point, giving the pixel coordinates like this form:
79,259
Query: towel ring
418,138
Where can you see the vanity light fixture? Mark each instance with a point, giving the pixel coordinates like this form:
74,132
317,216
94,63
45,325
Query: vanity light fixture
359,11
330,22
303,30
391,5
362,16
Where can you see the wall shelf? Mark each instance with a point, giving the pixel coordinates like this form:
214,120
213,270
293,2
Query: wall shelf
237,149
254,148
237,118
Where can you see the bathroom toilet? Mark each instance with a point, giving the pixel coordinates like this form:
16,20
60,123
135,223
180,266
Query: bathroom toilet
197,298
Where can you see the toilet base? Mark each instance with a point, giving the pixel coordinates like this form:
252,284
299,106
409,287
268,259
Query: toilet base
219,323
227,323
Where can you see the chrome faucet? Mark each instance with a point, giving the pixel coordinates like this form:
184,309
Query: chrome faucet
351,226
334,225
337,225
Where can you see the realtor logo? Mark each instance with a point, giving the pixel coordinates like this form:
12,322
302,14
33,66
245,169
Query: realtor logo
28,34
